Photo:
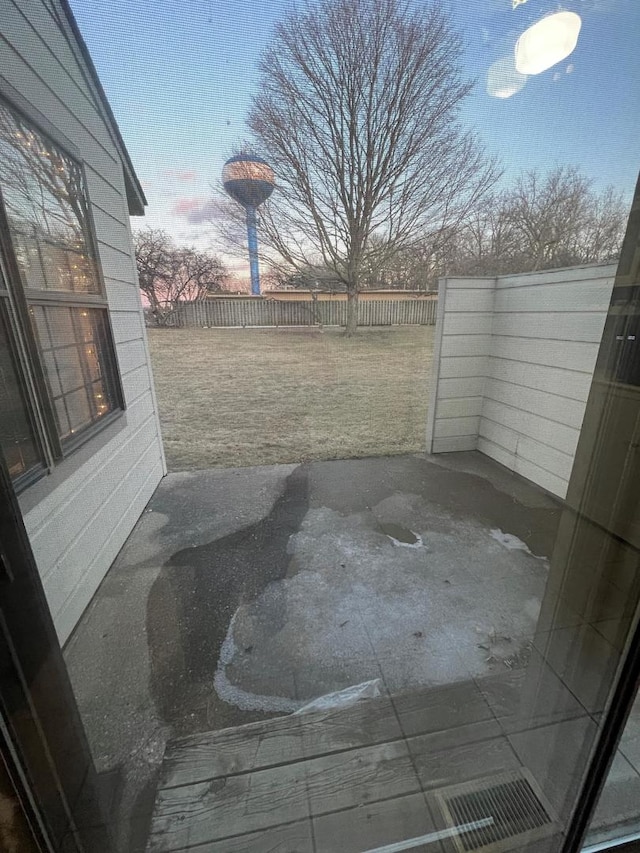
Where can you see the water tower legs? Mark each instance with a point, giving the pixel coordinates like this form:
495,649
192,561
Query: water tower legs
252,238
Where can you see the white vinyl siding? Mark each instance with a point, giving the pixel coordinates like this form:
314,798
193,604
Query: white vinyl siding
462,343
517,356
77,529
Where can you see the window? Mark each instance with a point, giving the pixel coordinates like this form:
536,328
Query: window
58,374
17,436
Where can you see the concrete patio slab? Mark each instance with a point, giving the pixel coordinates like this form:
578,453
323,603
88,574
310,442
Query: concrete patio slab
244,593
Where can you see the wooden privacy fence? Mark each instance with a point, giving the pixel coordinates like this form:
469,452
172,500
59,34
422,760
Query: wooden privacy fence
262,311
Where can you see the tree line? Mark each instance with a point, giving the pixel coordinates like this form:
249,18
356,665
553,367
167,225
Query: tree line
169,274
378,183
545,220
358,111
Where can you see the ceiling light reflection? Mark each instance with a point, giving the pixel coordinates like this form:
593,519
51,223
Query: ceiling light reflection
547,42
503,80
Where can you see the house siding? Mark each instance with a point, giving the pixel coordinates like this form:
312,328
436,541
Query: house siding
462,340
517,356
77,529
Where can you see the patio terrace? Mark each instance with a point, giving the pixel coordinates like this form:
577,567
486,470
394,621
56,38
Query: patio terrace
242,594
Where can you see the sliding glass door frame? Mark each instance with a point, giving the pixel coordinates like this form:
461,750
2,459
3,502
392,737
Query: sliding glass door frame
42,737
45,729
611,729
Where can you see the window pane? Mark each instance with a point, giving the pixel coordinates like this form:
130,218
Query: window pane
78,408
78,364
16,436
69,368
46,205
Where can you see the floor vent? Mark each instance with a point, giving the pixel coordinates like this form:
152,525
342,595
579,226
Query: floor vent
508,811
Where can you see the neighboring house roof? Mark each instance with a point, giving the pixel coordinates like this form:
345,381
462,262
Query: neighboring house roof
135,194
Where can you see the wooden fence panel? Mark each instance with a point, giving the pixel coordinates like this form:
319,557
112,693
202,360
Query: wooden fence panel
262,311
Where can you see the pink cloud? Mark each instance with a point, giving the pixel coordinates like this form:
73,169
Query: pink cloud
186,206
204,213
197,210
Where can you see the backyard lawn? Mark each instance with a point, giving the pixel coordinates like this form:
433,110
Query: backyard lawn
236,397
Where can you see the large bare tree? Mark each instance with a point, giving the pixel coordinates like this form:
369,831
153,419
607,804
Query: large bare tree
170,274
358,113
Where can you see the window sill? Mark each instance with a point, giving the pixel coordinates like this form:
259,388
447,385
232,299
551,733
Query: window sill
82,450
71,445
25,481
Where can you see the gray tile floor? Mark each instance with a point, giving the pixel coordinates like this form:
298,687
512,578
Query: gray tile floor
355,779
347,780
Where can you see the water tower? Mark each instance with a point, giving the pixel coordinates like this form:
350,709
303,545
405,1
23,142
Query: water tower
249,180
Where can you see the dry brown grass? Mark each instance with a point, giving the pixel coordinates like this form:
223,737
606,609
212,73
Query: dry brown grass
234,397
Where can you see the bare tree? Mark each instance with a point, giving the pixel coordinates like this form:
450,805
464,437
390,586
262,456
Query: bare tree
601,238
170,274
558,219
546,212
357,112
43,187
543,221
153,249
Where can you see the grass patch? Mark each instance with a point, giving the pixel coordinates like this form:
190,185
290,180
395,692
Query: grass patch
235,397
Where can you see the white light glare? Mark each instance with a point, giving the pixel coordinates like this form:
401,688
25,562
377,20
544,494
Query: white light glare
548,42
503,80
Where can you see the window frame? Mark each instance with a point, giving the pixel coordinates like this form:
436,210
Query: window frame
7,320
22,337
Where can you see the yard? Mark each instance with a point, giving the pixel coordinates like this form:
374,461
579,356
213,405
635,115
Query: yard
238,397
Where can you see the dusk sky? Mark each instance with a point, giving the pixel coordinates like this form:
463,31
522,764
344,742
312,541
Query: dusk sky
180,75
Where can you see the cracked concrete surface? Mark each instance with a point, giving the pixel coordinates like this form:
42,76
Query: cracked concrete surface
245,593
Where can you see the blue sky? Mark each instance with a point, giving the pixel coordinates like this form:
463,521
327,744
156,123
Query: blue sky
180,73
